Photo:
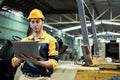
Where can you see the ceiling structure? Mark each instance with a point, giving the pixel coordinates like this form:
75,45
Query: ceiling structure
63,14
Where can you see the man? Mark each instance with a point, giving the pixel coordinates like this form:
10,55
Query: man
38,68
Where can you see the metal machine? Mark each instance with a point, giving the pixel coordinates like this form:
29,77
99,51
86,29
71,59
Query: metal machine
94,67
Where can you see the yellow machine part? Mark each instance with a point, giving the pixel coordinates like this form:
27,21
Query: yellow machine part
95,73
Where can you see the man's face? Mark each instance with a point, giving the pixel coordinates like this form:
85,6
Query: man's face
36,25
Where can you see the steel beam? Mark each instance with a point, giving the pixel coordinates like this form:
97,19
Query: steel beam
94,37
83,22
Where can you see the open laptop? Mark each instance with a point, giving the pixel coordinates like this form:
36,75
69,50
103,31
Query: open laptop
26,48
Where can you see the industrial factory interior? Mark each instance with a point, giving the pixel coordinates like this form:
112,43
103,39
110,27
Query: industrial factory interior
87,33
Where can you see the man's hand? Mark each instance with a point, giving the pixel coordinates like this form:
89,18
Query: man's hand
16,61
31,59
47,64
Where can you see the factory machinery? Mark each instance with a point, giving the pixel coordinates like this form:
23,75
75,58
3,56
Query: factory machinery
102,64
105,66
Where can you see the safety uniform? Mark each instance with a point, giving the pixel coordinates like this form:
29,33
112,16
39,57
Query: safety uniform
48,51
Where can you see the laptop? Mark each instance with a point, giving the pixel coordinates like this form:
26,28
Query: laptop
28,49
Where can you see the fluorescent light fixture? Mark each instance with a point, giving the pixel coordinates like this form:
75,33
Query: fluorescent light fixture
71,28
113,33
78,27
88,25
111,23
108,33
102,33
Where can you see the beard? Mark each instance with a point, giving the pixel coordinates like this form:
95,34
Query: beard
37,30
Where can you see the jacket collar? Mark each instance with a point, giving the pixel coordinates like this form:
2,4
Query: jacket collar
31,37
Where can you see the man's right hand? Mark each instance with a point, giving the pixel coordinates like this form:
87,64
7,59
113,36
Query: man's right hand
16,61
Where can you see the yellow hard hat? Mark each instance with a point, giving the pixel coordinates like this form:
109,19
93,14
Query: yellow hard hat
36,13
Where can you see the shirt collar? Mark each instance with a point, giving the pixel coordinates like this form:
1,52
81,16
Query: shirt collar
42,37
44,34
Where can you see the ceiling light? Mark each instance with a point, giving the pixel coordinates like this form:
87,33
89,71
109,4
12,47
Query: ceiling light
113,33
111,23
78,27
